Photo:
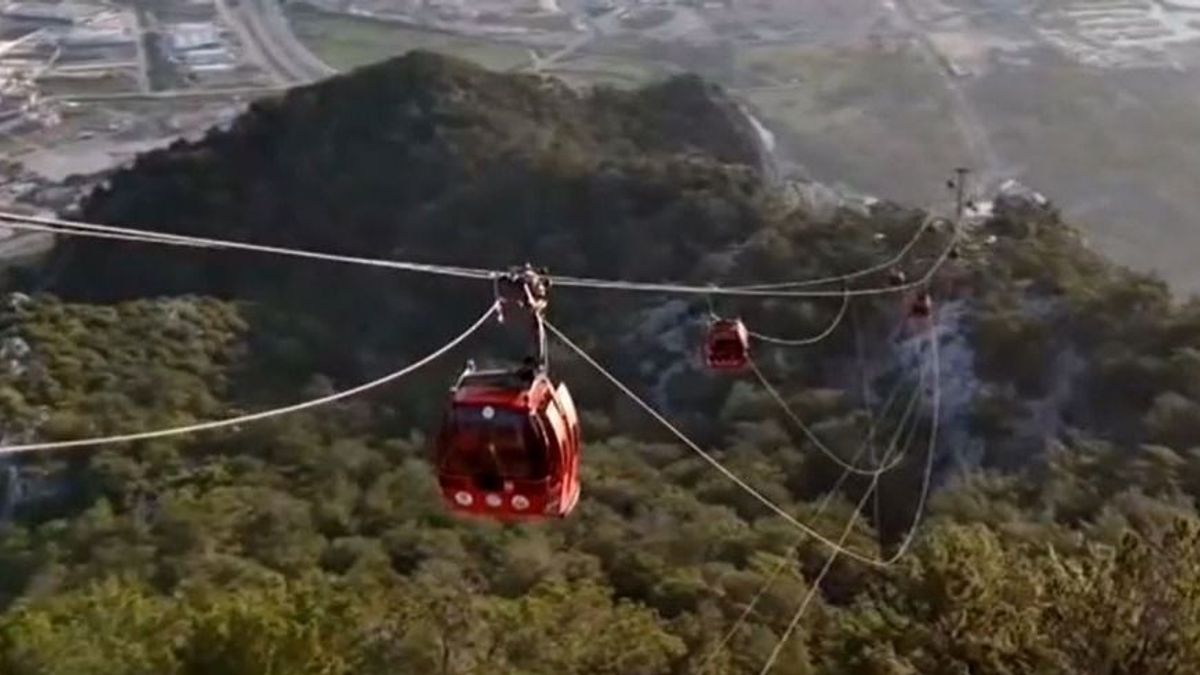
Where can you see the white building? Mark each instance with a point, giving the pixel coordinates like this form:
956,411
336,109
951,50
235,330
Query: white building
103,37
210,56
185,36
40,13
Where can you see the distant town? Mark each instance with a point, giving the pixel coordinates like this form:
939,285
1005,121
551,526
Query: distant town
85,86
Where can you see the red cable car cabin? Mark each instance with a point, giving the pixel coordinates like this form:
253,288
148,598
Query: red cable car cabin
922,307
727,346
509,447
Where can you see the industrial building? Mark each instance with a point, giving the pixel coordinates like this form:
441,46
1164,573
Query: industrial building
42,14
121,36
182,37
199,47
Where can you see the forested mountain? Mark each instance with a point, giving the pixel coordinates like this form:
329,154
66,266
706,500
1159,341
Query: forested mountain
1062,535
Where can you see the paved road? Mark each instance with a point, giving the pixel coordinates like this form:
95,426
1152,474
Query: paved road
272,20
538,65
270,42
595,27
248,40
169,94
143,59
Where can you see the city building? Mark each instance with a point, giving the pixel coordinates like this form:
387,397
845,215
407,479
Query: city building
200,35
98,37
208,59
40,13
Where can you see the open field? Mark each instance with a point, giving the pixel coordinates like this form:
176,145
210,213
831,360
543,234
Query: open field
1114,149
615,70
1117,151
853,117
347,42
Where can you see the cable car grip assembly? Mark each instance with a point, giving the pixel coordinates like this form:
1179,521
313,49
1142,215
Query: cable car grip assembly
526,289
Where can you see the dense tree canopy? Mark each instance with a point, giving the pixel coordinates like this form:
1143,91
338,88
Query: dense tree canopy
1062,535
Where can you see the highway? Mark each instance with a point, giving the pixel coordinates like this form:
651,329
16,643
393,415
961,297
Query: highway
169,94
249,41
273,26
268,39
143,59
547,64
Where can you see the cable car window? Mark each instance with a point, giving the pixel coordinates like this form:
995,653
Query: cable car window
501,444
554,424
727,348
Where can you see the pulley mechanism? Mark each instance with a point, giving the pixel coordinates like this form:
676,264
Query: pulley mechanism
526,290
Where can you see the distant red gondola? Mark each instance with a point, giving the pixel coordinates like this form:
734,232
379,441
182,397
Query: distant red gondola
922,307
509,447
727,346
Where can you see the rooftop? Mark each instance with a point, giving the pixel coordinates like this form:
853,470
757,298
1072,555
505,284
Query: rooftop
185,36
56,13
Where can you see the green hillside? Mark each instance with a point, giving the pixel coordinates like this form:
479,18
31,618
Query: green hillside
1062,535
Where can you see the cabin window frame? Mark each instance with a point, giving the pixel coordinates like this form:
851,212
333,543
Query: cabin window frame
451,455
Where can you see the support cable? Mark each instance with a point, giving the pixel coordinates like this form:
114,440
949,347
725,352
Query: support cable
867,271
811,340
75,228
725,471
816,440
825,501
258,416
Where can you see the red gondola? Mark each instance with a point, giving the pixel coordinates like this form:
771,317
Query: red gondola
509,444
727,346
922,307
509,447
